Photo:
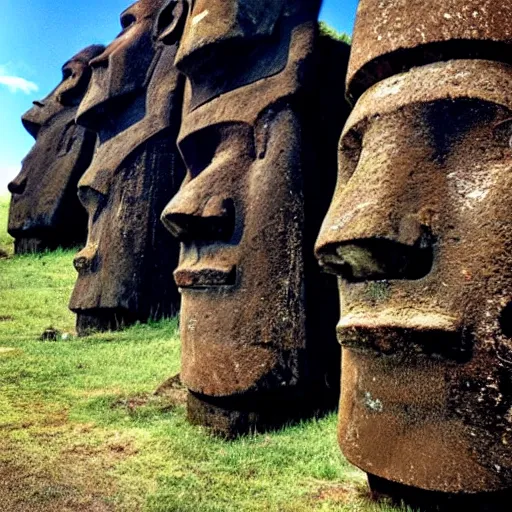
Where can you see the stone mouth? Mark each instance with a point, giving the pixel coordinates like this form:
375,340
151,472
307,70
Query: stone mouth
406,334
206,277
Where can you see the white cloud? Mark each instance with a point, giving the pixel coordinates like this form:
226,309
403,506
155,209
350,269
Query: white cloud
16,83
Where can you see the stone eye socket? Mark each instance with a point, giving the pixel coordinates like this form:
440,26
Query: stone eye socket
502,133
127,20
349,153
66,74
505,320
199,150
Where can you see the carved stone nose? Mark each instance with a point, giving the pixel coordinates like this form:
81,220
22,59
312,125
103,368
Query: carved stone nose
17,185
189,220
375,260
86,259
403,254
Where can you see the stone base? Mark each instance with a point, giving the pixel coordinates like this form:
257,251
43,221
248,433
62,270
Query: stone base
29,245
39,245
433,501
256,412
102,320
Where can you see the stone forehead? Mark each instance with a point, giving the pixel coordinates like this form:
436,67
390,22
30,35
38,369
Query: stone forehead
87,54
245,104
458,79
214,21
150,7
391,35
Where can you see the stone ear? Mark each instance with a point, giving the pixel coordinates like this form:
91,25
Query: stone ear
171,21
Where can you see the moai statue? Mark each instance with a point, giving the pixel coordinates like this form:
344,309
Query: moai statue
259,141
420,232
134,105
45,212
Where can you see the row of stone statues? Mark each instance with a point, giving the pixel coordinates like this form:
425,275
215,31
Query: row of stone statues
257,142
226,117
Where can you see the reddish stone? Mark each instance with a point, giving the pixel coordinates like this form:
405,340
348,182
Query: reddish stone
419,231
391,36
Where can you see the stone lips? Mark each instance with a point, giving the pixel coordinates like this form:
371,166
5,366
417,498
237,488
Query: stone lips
391,36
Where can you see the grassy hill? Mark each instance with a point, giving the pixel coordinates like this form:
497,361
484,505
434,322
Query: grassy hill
82,430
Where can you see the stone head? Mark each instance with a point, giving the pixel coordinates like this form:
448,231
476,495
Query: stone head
123,71
44,207
420,233
243,215
125,269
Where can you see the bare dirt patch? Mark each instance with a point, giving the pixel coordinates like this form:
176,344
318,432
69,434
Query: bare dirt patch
167,397
48,464
30,481
66,470
7,350
173,391
341,494
138,403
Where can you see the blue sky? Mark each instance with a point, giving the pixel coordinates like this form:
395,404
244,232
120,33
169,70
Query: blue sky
38,36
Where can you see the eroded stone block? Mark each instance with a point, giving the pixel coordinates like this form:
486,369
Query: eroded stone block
259,139
134,104
45,212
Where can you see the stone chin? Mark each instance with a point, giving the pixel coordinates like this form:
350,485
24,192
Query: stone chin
399,420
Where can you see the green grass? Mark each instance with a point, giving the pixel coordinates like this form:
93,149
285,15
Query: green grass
81,429
327,30
6,241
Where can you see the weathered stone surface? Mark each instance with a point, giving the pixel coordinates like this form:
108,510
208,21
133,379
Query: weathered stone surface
420,232
134,105
45,212
391,36
259,139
